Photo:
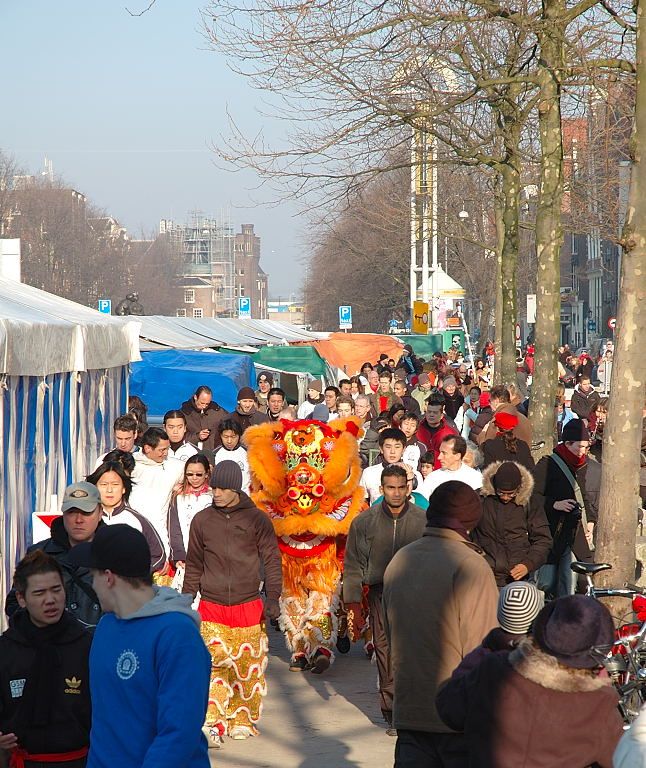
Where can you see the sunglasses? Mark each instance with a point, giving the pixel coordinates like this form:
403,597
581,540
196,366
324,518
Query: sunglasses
195,474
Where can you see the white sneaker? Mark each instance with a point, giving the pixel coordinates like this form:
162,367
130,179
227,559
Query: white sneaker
215,741
240,732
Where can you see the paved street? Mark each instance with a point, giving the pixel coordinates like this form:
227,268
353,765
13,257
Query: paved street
310,721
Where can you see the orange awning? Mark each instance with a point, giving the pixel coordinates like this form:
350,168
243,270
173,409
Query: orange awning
349,351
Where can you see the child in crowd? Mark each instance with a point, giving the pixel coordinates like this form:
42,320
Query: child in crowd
231,450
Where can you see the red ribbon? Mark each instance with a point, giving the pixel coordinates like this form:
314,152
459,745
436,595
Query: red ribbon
19,756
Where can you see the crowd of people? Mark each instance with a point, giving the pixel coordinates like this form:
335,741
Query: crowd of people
149,602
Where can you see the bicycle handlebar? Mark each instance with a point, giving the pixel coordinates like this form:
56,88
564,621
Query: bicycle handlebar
639,590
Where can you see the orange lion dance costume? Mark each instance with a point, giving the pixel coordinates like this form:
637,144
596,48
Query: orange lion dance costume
305,476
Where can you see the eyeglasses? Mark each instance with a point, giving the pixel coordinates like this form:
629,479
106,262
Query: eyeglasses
195,474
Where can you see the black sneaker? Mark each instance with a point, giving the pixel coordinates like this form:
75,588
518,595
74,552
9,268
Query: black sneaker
299,664
343,644
320,663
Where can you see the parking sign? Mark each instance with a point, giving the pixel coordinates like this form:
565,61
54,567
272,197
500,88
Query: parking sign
345,317
244,307
105,306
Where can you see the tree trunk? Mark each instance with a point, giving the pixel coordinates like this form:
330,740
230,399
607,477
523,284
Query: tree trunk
618,503
511,210
549,231
500,234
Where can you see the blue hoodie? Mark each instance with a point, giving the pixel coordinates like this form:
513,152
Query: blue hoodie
149,682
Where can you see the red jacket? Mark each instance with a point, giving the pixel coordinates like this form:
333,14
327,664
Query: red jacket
431,438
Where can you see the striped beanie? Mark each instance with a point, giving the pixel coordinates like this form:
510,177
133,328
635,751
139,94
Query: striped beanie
519,604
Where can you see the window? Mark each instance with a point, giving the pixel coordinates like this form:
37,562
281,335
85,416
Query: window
197,312
189,296
180,313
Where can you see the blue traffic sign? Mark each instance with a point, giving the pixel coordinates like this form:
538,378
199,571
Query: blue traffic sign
345,316
592,325
244,307
105,306
393,323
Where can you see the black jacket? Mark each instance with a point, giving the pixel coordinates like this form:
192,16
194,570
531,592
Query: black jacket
67,686
495,450
512,533
453,403
80,599
246,420
550,486
583,404
374,538
226,548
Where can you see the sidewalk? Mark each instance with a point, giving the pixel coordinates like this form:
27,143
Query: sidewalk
311,721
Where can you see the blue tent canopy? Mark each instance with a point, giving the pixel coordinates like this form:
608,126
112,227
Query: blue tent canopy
164,380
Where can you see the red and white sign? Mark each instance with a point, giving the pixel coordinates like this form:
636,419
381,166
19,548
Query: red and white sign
612,323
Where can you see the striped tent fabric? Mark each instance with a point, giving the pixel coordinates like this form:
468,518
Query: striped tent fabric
52,428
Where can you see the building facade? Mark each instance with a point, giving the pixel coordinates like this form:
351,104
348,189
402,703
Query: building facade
217,267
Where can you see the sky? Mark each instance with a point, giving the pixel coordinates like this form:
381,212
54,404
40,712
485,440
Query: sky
127,109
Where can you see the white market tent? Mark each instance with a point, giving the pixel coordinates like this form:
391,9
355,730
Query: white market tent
63,381
192,333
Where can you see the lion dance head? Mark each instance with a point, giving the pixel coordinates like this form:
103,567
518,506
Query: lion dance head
305,475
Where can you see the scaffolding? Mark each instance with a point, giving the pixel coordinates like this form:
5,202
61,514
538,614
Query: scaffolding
207,248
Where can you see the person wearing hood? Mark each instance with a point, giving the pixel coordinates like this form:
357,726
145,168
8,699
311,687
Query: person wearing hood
246,412
45,710
153,480
149,669
231,543
430,630
203,415
314,398
545,703
513,531
79,522
568,494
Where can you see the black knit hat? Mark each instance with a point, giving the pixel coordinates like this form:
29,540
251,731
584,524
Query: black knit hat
575,431
246,393
227,475
454,500
570,628
507,477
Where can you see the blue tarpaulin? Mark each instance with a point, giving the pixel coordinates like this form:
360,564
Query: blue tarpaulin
164,380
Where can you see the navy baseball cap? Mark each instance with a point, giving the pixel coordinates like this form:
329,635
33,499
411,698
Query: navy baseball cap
121,549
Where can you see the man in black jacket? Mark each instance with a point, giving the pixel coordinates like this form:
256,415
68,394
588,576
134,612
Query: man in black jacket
568,492
78,523
374,537
45,712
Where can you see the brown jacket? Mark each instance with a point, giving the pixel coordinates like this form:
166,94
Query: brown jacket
440,600
524,709
523,430
197,420
226,548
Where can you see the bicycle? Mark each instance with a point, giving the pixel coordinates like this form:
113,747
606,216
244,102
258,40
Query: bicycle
625,659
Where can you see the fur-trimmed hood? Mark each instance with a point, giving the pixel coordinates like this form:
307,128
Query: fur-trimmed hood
526,485
544,670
